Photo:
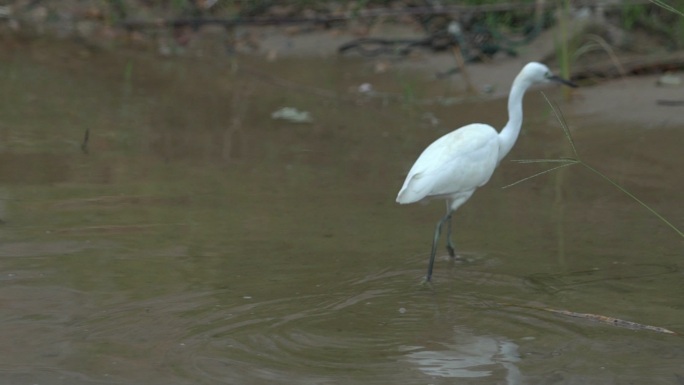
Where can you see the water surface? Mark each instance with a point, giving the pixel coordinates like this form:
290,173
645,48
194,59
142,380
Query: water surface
199,241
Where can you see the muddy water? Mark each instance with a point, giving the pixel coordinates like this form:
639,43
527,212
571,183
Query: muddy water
199,241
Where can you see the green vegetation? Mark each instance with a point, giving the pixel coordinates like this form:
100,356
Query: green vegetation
575,159
668,7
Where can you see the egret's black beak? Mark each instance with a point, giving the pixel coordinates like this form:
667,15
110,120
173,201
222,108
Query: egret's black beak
556,78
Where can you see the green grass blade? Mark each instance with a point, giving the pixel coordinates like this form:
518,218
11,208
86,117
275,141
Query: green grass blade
670,8
539,174
564,162
563,123
629,194
558,160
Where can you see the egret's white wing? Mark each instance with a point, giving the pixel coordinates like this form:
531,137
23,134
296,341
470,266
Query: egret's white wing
459,161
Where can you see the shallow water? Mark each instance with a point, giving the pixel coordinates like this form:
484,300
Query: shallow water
198,241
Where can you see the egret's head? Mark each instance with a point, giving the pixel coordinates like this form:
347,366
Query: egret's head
535,72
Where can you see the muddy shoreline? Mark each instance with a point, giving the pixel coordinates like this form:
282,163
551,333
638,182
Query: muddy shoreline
632,99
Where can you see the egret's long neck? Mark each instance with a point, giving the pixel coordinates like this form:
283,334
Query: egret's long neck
509,134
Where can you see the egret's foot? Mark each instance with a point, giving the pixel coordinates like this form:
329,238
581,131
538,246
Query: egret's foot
427,281
451,251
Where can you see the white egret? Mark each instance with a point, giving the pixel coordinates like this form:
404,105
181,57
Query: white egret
455,165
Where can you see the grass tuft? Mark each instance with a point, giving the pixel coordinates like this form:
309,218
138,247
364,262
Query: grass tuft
565,162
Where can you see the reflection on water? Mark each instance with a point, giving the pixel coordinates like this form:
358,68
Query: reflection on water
200,242
469,356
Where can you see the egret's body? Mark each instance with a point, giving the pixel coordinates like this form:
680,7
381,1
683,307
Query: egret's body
455,165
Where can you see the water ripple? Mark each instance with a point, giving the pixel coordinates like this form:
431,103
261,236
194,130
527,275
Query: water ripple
381,328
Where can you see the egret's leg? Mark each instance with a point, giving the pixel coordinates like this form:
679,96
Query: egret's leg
450,242
438,231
